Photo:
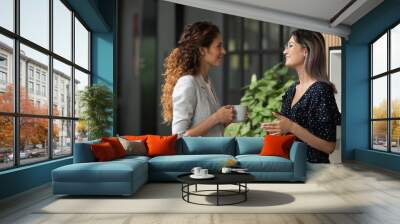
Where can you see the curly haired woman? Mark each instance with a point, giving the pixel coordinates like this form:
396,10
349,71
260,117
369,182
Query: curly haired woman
188,98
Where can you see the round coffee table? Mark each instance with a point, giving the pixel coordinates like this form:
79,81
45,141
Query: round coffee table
238,179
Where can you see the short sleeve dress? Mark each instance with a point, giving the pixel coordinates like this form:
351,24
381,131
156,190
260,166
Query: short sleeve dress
315,111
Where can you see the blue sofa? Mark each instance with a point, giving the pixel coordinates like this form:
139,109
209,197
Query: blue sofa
125,176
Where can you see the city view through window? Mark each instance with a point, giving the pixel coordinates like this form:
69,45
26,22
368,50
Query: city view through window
39,113
385,95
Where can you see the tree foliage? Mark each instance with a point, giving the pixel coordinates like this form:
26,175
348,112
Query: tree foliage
262,97
33,131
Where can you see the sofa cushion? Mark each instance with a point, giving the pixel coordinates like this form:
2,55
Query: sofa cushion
206,145
257,163
112,171
277,145
103,151
116,145
161,145
83,152
185,163
134,147
249,145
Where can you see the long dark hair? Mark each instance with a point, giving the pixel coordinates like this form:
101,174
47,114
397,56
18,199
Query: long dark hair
185,60
315,62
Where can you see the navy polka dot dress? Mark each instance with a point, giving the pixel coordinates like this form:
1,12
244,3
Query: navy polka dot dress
315,111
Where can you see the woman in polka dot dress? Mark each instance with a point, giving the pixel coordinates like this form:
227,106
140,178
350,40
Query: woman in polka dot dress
309,109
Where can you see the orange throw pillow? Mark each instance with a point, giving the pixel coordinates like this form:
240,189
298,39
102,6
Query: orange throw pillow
116,145
161,145
103,152
277,145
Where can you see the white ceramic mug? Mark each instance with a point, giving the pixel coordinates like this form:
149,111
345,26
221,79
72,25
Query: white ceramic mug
240,113
196,170
226,170
203,172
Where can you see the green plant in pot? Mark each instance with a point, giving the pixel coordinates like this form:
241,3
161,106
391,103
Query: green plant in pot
96,102
262,97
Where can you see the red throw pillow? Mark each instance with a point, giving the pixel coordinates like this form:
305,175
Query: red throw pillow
161,145
103,151
116,145
277,145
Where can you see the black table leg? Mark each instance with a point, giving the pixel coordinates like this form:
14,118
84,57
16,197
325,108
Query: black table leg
217,194
245,193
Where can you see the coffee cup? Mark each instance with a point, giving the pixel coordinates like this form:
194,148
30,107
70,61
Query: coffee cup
196,170
203,172
226,170
240,113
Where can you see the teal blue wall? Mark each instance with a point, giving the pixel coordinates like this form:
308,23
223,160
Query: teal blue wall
356,124
24,178
99,15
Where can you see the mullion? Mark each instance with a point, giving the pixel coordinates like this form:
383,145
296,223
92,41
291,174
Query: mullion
73,82
389,106
50,87
16,83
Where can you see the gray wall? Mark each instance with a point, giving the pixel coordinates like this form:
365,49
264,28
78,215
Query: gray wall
128,76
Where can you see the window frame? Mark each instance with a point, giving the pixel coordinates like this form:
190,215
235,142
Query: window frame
16,114
260,52
388,74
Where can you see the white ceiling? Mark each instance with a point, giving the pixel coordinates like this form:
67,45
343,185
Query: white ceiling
317,15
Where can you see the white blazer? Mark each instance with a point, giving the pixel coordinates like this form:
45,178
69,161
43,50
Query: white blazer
193,100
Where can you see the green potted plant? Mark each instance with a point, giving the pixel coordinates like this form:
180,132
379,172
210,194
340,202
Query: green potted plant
96,102
262,97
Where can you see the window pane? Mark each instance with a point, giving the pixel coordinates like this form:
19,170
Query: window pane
7,14
379,55
270,36
62,138
379,97
251,66
270,60
62,89
287,32
234,80
395,95
81,45
6,142
81,81
251,34
81,131
234,33
35,21
33,139
34,97
395,138
62,29
379,135
6,74
395,47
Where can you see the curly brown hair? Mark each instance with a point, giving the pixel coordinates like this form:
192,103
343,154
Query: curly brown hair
185,60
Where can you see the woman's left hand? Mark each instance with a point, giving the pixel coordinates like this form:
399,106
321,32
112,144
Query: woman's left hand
280,127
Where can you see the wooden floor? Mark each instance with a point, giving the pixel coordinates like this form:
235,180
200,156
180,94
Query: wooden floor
377,188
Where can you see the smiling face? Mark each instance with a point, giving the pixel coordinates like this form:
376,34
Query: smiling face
295,54
213,55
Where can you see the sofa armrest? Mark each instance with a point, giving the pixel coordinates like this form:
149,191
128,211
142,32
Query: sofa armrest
299,158
83,152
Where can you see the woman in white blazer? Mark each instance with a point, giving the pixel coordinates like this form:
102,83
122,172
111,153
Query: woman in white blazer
188,98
